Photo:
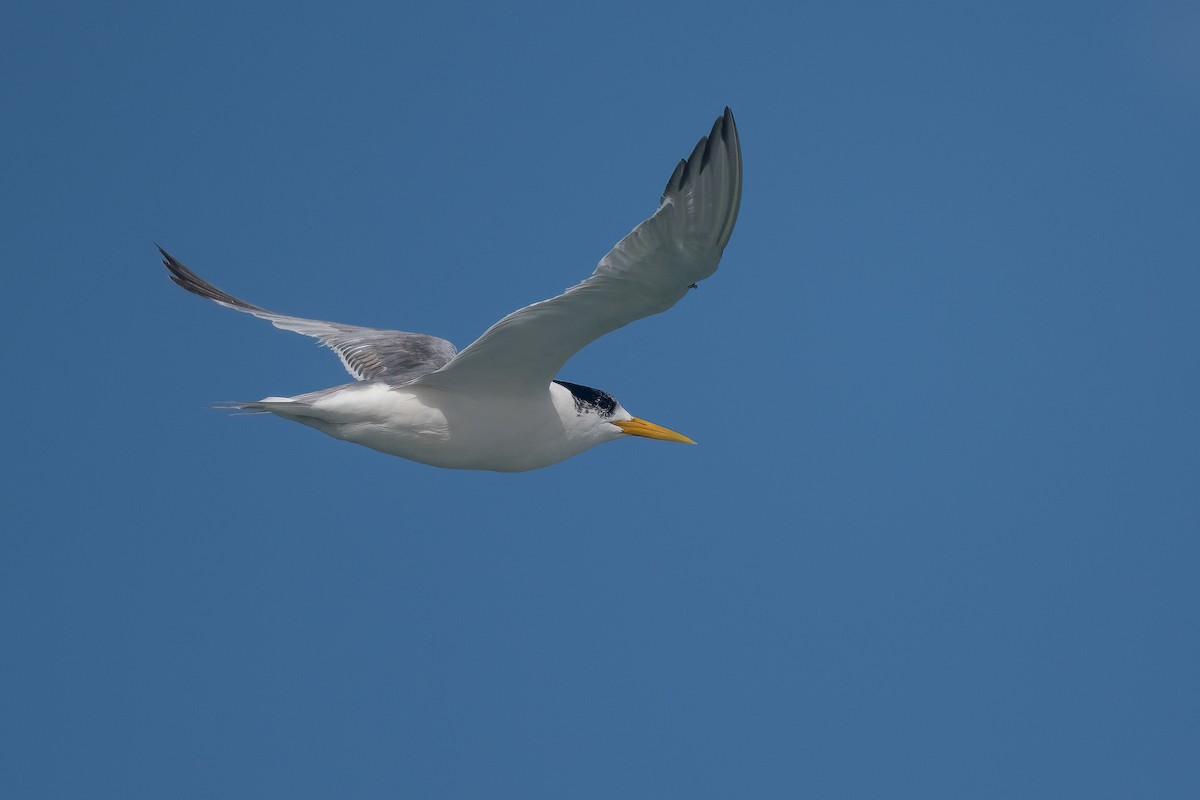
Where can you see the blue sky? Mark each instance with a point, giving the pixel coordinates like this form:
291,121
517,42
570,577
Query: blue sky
939,538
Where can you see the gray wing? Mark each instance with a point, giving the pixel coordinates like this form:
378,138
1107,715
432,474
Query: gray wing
646,273
367,353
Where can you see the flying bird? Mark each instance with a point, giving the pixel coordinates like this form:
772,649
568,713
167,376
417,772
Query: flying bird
497,404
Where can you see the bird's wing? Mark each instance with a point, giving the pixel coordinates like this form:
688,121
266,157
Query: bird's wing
367,353
646,273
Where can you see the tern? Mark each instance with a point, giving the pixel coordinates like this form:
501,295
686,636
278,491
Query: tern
497,405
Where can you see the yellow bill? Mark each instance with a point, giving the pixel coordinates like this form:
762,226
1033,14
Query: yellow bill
639,427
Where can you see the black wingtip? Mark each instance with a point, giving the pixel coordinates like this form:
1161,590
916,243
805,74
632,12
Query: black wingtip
729,128
723,134
674,181
715,137
193,283
167,259
695,161
179,273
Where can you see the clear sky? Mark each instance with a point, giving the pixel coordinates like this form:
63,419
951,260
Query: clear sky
939,538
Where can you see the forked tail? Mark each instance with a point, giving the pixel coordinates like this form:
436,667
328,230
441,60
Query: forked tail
282,406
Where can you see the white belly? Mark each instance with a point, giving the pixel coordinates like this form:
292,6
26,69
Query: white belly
443,428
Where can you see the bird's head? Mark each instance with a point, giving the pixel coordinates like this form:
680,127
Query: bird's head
596,414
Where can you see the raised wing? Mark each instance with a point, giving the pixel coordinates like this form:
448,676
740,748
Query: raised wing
367,353
646,273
